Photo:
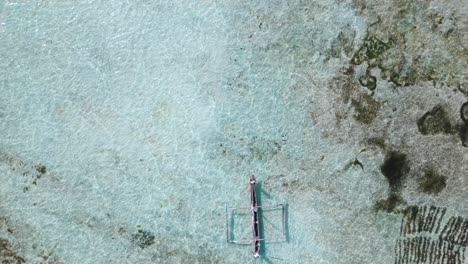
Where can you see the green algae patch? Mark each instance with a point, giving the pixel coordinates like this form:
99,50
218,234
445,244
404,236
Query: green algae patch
371,49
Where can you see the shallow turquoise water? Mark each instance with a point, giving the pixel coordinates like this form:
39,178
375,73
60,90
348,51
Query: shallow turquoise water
151,115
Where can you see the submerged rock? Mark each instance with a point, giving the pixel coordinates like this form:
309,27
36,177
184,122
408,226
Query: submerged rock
368,81
464,112
464,136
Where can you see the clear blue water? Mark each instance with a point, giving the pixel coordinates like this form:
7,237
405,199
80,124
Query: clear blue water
151,115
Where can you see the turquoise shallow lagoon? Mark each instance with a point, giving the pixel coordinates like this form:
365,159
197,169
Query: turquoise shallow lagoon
126,126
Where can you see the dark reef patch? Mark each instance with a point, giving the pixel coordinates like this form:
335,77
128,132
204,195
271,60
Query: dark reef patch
344,85
339,117
378,142
31,173
432,182
41,169
143,238
343,44
366,107
390,204
8,255
434,122
395,168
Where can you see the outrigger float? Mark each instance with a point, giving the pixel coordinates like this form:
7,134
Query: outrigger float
255,221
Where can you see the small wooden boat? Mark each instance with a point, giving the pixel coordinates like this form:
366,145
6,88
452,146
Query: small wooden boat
254,215
255,221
